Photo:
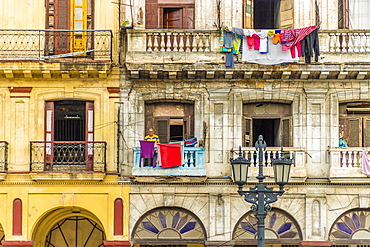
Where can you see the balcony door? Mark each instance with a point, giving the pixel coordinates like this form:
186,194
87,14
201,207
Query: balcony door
354,124
69,134
171,121
272,120
68,15
169,14
268,14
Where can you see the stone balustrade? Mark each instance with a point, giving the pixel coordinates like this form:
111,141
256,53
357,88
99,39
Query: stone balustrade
345,163
194,46
193,165
345,41
298,169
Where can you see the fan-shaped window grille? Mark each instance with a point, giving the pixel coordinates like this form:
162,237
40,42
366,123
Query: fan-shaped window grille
280,228
167,225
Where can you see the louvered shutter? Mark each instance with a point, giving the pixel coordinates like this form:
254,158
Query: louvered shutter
285,138
366,131
354,126
149,119
162,126
89,135
247,132
286,14
189,121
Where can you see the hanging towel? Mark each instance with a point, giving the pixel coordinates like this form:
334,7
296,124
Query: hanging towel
365,163
147,151
170,154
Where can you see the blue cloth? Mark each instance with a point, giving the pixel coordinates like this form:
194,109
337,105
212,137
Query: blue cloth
229,59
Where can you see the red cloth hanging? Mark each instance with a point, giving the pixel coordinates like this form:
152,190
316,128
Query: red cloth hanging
170,154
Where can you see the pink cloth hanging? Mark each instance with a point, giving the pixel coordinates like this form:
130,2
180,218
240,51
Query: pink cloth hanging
365,163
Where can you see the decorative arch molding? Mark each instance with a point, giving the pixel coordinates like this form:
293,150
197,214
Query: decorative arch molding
55,216
345,96
168,225
280,228
351,227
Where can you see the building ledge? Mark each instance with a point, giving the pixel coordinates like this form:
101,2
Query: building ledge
88,177
169,179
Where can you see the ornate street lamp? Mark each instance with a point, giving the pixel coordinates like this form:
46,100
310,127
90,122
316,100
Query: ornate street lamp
261,196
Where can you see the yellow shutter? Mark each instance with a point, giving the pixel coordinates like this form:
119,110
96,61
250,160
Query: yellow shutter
79,22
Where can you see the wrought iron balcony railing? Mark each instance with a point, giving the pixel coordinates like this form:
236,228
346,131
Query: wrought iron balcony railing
68,156
3,156
51,44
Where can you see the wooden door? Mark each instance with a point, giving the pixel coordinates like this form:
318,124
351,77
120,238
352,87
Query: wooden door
173,18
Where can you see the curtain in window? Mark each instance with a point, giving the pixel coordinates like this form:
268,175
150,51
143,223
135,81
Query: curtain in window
359,17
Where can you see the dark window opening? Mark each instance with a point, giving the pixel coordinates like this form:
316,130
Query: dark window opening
176,133
269,128
266,14
69,121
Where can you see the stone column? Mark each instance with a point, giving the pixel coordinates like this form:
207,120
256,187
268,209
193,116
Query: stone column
117,243
17,243
317,132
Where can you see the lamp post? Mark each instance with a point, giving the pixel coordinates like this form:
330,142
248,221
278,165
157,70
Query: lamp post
260,195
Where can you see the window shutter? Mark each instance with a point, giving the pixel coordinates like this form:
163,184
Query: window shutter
151,14
285,138
354,132
248,14
149,120
366,130
62,14
162,127
89,135
247,132
189,121
189,18
49,133
286,14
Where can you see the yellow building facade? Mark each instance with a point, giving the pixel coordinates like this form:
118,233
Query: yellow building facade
59,104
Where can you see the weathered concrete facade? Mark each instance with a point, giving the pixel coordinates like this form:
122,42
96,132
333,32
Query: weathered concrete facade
327,190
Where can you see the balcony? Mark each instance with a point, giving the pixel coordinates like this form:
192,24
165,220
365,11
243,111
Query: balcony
3,156
68,157
345,165
298,169
179,54
81,45
193,166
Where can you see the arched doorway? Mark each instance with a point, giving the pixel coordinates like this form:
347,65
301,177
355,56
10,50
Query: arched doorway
351,228
280,229
69,227
168,226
